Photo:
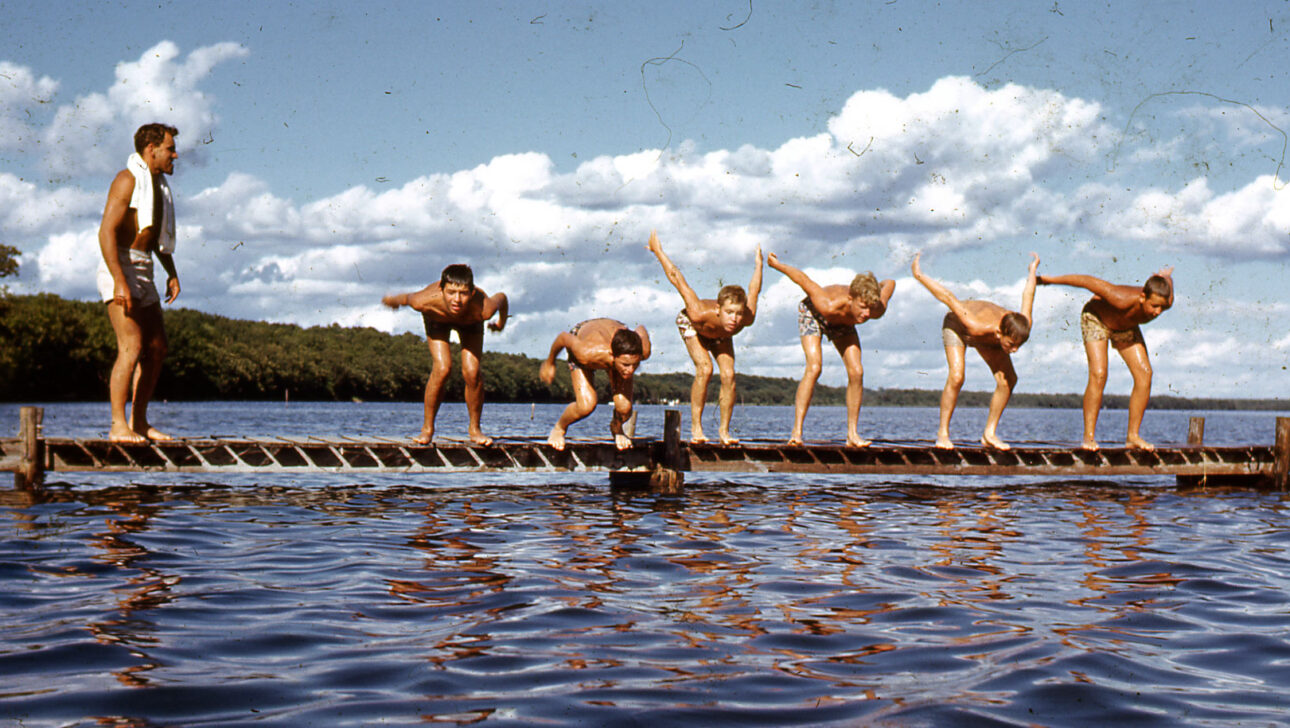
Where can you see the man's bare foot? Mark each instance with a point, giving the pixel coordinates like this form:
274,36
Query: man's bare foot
480,438
993,441
728,440
121,433
858,442
556,439
795,439
944,442
424,438
698,439
1089,445
622,442
1137,443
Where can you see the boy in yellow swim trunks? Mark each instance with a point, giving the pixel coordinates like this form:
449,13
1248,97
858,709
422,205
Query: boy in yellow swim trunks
1115,314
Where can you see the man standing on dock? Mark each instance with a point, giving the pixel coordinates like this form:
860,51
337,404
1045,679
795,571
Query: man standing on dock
454,304
834,311
1114,314
995,332
598,344
708,327
138,221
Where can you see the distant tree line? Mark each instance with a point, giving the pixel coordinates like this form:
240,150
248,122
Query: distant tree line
54,349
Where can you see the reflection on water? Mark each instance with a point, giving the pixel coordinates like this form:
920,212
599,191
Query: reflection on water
787,602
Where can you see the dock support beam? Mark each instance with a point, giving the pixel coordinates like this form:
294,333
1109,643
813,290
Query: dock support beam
1281,454
668,474
31,461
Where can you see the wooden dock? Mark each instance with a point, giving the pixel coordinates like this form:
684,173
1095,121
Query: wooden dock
660,464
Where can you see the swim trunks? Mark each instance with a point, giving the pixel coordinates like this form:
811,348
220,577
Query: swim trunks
686,327
810,323
136,266
954,333
1093,329
441,329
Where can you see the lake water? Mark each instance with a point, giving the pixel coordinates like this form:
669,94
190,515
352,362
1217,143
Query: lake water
539,599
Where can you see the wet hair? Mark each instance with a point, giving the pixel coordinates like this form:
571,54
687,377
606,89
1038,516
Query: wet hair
1015,327
152,134
732,294
865,288
459,274
625,343
1158,286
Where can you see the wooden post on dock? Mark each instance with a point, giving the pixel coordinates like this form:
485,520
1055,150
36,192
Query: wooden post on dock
667,475
1196,431
31,463
1281,454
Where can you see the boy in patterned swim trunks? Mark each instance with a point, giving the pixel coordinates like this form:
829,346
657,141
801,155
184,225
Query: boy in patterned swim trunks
833,311
707,327
454,304
995,332
1114,314
597,344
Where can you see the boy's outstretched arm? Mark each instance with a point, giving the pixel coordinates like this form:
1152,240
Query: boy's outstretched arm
1028,293
801,279
885,289
939,291
754,285
418,300
546,372
673,273
498,304
1118,296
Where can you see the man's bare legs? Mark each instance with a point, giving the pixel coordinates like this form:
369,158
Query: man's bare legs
724,351
440,368
699,387
583,404
806,388
1005,378
955,357
1135,355
472,347
141,347
1095,349
849,348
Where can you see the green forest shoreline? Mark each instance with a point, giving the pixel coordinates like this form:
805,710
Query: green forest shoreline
58,350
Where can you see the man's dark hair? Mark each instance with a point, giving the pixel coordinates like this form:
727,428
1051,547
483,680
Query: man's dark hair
1158,286
459,274
626,342
152,134
1015,327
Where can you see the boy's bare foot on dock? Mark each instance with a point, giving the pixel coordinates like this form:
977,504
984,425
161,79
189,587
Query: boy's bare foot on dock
794,441
622,442
1090,445
944,442
556,439
994,442
153,433
1137,443
424,438
858,441
728,440
480,438
121,433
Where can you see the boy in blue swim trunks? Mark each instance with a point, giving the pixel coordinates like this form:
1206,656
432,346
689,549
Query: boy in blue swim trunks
707,327
1114,314
834,311
454,304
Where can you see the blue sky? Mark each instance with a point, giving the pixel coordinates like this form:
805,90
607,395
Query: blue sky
334,152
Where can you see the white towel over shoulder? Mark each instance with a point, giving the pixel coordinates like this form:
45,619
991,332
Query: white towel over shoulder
142,201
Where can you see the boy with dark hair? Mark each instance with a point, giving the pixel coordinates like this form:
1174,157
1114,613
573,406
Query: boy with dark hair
833,311
1114,314
597,344
995,332
708,327
454,303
